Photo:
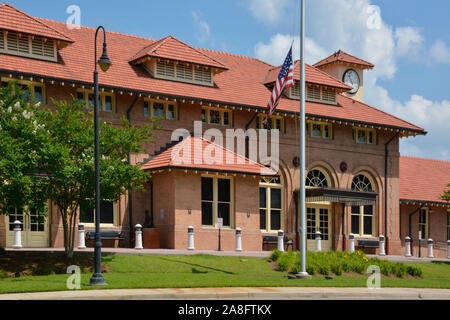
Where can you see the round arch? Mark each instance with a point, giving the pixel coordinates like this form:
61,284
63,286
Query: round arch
327,169
318,177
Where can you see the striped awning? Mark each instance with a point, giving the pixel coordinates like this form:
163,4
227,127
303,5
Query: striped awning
349,197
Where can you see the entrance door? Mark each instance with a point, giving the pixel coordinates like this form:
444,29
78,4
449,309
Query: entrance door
34,229
318,218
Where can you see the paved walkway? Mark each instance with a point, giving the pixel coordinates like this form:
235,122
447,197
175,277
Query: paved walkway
168,252
264,293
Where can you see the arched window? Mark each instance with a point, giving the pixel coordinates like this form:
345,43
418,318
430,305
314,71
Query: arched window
271,203
317,179
363,217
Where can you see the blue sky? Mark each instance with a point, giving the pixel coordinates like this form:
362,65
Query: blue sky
410,46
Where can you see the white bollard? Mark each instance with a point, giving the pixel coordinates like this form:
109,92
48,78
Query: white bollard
238,239
430,248
138,241
81,237
351,239
281,240
382,246
191,238
407,247
448,249
17,235
318,241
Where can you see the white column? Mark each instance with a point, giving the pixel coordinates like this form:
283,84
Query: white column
430,248
17,235
281,240
191,238
81,237
351,240
238,239
382,246
448,249
318,241
407,247
138,241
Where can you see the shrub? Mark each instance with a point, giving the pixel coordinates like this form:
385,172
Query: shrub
337,268
385,268
310,269
414,271
3,274
399,269
324,269
41,272
276,254
286,261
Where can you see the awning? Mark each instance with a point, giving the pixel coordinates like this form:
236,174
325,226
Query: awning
350,197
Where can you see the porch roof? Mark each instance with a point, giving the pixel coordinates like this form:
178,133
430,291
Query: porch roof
351,197
195,153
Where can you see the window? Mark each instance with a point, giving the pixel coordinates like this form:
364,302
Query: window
275,123
216,201
183,72
167,110
216,116
315,94
317,129
271,204
317,219
364,135
27,46
362,217
108,213
107,100
316,179
423,223
30,89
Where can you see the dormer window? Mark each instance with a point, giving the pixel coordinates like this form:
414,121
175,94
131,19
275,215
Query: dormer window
24,45
314,94
184,72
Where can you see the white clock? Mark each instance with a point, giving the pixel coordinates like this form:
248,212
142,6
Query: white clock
351,78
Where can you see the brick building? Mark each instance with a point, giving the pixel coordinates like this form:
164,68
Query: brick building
357,181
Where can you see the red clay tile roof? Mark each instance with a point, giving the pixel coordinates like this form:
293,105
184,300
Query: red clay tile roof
15,20
198,147
423,180
241,85
174,49
344,57
312,74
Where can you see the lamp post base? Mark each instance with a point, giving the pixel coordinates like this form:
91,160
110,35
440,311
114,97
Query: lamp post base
97,280
303,275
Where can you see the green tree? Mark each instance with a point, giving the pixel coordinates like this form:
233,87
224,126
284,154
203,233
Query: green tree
23,142
70,159
446,195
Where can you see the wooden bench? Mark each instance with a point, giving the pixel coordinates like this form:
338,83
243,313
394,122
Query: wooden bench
363,244
274,240
105,235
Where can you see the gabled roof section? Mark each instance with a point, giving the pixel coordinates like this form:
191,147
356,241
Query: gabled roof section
174,49
13,19
313,75
344,57
198,148
423,180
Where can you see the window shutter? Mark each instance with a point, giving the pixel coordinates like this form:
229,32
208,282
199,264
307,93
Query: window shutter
49,49
2,41
313,93
24,44
12,42
328,95
184,72
36,47
165,69
295,91
202,75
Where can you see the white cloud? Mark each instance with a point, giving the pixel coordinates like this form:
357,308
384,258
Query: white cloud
276,50
440,52
203,31
409,41
345,25
269,11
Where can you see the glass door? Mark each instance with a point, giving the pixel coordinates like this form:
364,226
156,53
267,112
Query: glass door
318,218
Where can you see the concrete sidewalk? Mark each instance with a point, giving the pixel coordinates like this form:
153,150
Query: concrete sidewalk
264,293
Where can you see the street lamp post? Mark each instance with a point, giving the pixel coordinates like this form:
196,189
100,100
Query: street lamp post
104,63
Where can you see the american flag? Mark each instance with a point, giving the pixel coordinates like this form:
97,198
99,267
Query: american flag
285,80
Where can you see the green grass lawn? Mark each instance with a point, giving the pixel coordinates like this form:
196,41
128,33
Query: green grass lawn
212,271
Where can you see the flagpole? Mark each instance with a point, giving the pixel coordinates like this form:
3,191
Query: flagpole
302,274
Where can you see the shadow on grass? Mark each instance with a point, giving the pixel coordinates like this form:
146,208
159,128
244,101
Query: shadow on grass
196,265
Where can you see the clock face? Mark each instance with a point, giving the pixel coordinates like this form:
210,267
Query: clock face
351,78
